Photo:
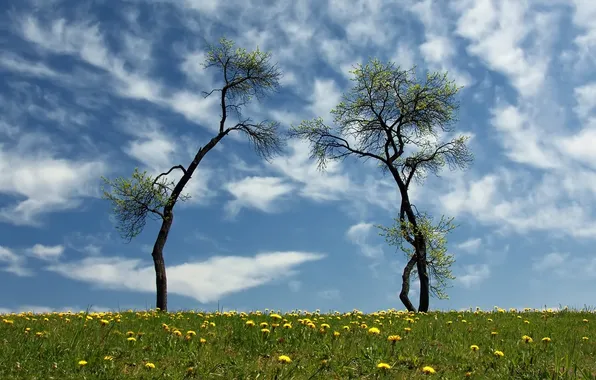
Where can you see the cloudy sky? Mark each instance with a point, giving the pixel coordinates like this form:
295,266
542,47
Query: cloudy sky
93,89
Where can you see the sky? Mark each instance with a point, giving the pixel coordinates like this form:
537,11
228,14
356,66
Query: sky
97,88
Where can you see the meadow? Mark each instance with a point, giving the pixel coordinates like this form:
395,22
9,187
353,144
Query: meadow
475,344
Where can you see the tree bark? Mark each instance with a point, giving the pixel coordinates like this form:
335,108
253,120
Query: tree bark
161,281
421,266
405,284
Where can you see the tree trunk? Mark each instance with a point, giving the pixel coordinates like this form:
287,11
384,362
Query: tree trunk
161,281
419,242
405,284
421,266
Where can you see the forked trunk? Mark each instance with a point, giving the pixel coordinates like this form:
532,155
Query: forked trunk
161,281
405,284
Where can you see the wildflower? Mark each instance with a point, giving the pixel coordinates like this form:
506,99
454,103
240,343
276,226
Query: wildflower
177,333
336,334
490,319
104,322
82,363
265,331
584,320
108,357
287,325
546,340
275,316
203,340
383,366
264,325
374,331
474,348
149,365
284,359
191,333
250,323
394,338
428,370
449,323
130,333
407,329
8,321
585,338
347,328
493,334
499,354
527,339
131,339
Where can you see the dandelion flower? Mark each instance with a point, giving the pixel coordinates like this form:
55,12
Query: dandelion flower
265,331
584,320
527,339
250,323
499,354
374,331
275,316
394,338
383,366
407,329
82,363
428,370
203,340
585,338
287,325
264,325
284,359
546,339
474,348
149,365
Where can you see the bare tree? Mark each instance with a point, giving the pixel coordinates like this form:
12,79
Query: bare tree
245,75
392,117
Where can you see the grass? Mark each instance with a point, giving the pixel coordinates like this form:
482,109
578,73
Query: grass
200,345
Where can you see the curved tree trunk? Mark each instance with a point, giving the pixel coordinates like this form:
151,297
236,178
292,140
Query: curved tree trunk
405,284
161,281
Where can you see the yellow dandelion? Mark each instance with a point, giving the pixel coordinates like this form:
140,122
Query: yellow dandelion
131,339
284,359
499,354
383,366
264,325
494,333
394,338
546,339
108,357
527,339
149,365
585,338
407,329
265,331
250,323
428,370
203,340
347,328
275,316
584,320
82,363
374,331
474,348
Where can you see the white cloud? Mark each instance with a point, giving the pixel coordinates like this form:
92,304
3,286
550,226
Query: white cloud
586,99
205,281
359,234
37,309
46,252
326,95
13,263
473,275
498,30
42,182
566,266
470,245
260,193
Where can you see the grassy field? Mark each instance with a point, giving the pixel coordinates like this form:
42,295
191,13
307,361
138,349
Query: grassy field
513,344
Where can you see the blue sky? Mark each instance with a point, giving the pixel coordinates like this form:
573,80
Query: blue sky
99,88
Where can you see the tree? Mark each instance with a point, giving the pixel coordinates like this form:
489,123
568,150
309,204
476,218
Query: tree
244,75
438,261
390,116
